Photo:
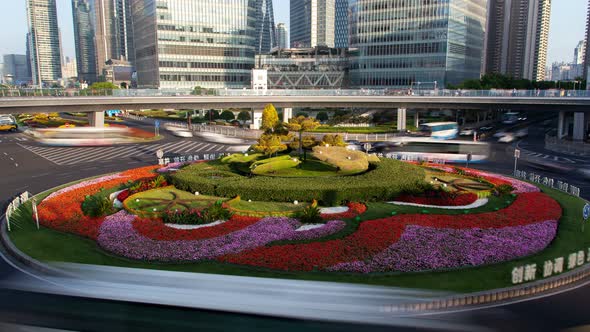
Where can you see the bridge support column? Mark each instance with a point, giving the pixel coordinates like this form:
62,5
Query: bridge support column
401,119
417,119
96,119
256,119
287,114
560,125
579,126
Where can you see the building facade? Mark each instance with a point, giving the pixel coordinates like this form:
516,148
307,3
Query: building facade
586,53
518,33
16,69
306,68
69,69
113,31
44,41
397,44
341,24
185,43
265,27
312,23
281,31
84,34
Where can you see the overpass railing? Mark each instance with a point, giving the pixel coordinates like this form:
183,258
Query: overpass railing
32,92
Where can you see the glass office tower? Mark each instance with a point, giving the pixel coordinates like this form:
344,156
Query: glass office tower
44,41
265,27
312,23
187,43
281,31
416,43
84,39
341,24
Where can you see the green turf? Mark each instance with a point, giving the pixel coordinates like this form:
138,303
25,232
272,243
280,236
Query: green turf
168,199
48,245
267,206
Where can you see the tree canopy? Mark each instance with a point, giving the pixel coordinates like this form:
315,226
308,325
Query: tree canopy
322,116
269,144
227,115
270,118
103,86
244,116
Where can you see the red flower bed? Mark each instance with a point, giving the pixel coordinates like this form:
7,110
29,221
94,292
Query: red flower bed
155,229
375,236
64,211
441,199
354,209
123,195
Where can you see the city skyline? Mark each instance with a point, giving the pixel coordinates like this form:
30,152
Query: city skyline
567,27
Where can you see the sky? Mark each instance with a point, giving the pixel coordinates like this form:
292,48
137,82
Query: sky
568,24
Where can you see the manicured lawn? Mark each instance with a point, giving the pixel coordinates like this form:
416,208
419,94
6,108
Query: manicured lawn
310,168
168,198
267,206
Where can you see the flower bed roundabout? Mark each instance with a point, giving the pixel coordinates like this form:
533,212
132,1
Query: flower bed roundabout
320,228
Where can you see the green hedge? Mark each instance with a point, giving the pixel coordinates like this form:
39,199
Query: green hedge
386,180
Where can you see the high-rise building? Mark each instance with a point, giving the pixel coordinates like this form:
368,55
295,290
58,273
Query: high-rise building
44,41
84,34
586,52
341,24
16,66
396,44
518,32
281,35
186,43
312,23
69,69
113,31
265,27
579,52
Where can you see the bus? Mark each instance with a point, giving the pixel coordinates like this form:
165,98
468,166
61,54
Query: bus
440,130
429,149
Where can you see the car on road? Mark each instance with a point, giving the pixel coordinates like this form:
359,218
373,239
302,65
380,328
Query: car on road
354,145
8,123
501,133
508,138
467,131
182,133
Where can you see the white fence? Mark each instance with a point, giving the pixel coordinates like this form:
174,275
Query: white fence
16,203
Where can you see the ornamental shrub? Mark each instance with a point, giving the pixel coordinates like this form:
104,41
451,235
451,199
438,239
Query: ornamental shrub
504,189
346,160
384,181
97,205
310,215
208,215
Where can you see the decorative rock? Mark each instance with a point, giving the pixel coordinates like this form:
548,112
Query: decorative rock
296,202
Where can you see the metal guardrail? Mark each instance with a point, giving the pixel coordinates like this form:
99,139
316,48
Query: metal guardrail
560,145
552,93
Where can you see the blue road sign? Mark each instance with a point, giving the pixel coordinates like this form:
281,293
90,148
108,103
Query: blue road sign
586,211
157,123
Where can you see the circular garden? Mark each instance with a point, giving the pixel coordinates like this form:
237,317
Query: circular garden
335,215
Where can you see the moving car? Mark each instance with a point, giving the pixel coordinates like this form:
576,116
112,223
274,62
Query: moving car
8,123
467,131
182,133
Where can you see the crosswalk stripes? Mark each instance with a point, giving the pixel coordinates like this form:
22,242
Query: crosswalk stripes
80,155
14,138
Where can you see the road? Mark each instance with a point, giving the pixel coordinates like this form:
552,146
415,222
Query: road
23,168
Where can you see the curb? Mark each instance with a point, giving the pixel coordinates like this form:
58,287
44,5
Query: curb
545,287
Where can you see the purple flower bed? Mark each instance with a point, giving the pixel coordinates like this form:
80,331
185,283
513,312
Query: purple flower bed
170,166
330,227
519,186
118,236
426,248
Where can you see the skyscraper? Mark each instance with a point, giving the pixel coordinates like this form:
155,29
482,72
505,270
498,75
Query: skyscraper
17,66
113,31
586,52
44,41
312,23
397,44
281,31
341,24
265,27
84,34
185,43
518,32
579,52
